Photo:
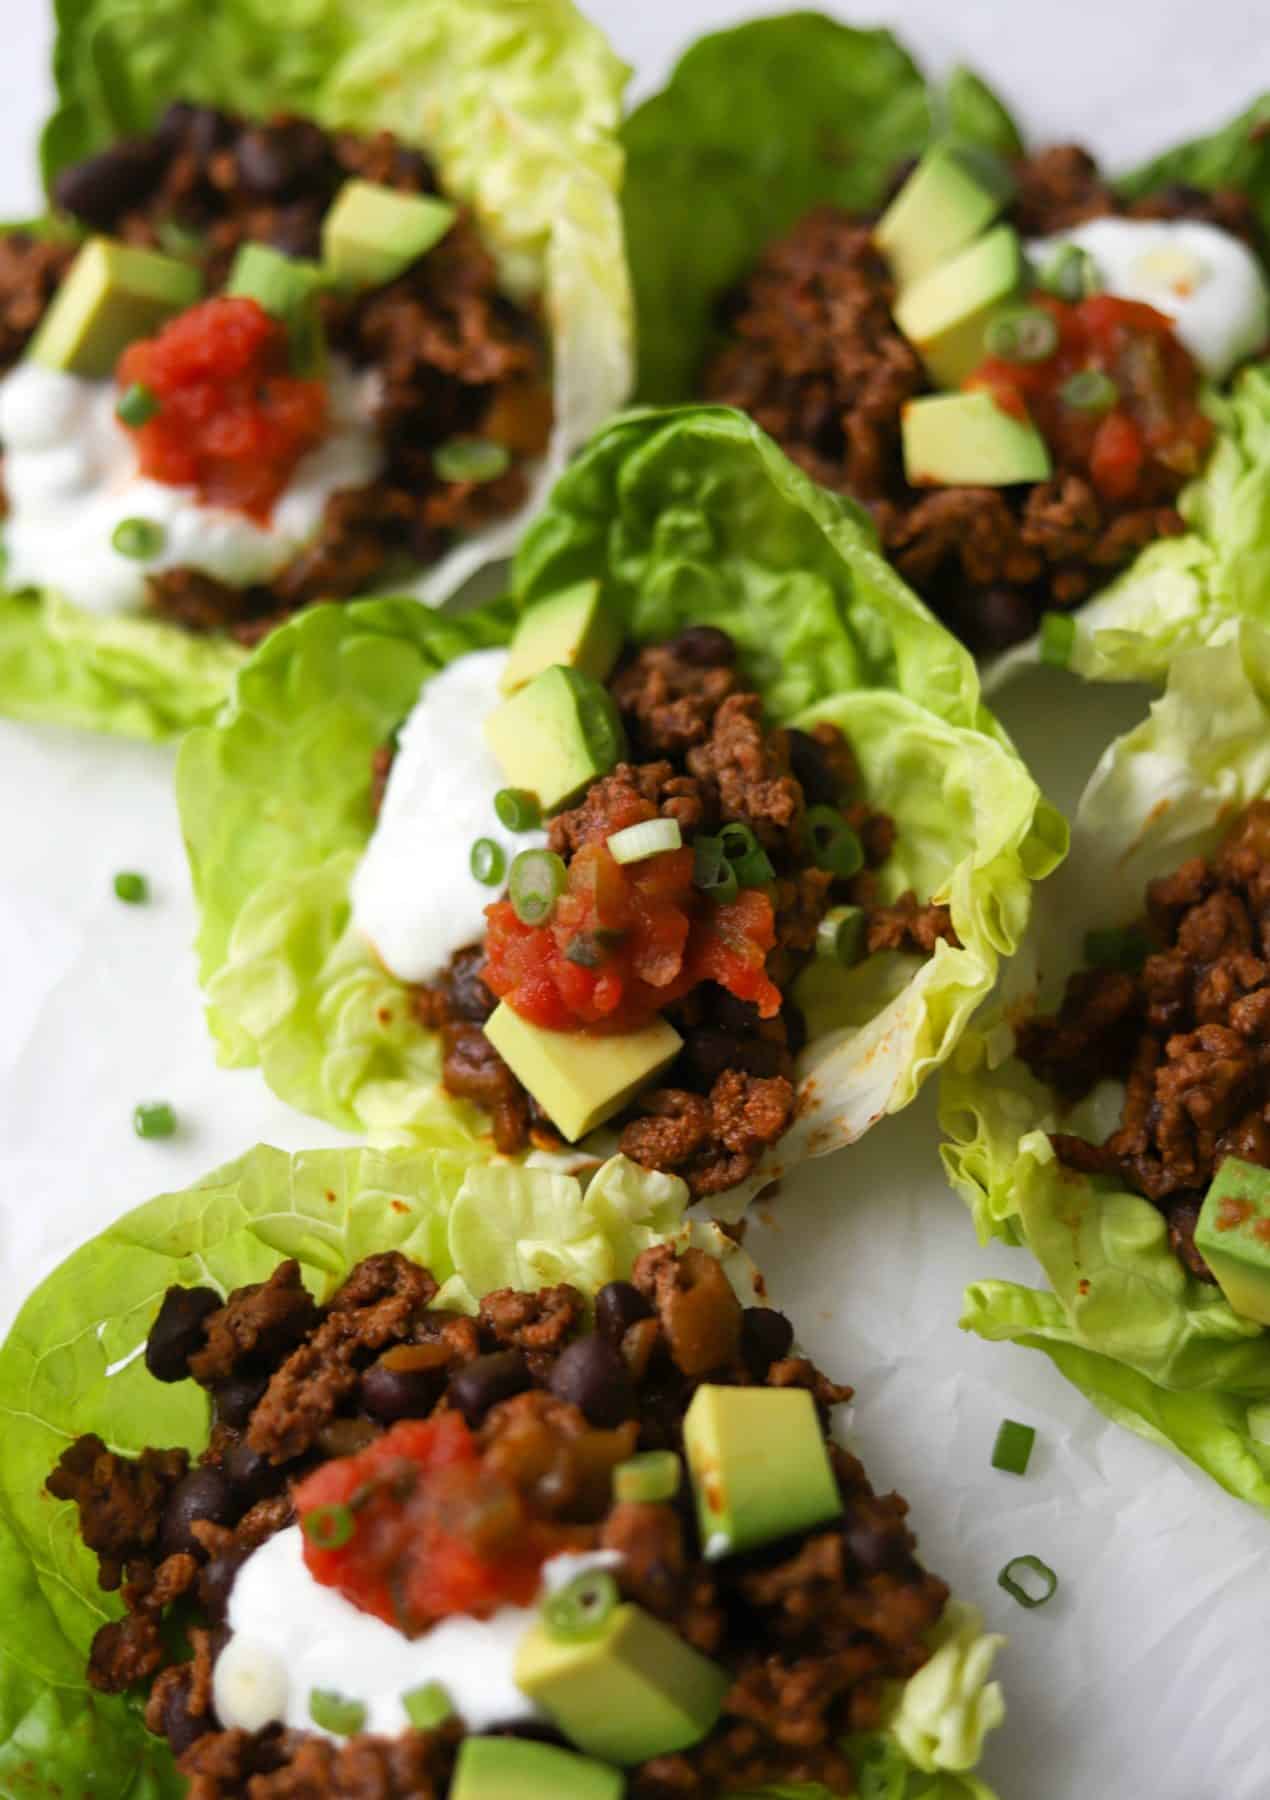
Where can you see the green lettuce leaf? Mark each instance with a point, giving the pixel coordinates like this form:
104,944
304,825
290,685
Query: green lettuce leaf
1236,155
517,102
72,1364
687,517
1153,1347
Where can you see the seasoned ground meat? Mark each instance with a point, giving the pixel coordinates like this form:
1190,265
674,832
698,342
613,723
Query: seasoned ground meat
120,1499
810,350
812,1629
676,796
1188,1033
256,1322
714,1142
669,693
452,355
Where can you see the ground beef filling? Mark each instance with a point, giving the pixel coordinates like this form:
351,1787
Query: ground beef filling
453,355
811,352
704,756
811,1629
1188,1033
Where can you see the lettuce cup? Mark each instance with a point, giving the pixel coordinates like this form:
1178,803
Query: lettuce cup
351,1467
715,861
1111,1114
1037,378
317,313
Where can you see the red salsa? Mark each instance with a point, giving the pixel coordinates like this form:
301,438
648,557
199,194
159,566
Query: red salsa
1151,437
231,421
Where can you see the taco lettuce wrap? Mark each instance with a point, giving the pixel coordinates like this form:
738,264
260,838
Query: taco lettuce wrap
1103,1135
999,351
435,1274
319,312
843,841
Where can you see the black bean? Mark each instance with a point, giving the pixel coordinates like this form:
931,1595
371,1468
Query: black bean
180,1726
537,1731
710,1049
466,994
202,1494
250,1475
237,1398
177,1331
390,1393
618,1306
103,187
872,1547
276,161
198,129
216,1580
807,762
487,1380
297,230
994,618
705,647
591,1374
766,1336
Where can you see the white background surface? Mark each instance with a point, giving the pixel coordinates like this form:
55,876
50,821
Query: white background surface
1148,1675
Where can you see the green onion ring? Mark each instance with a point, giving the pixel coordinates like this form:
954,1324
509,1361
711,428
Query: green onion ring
1032,1565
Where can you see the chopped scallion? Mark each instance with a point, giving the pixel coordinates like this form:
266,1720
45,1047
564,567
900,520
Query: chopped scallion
581,1609
328,1527
1028,334
141,539
840,935
153,1119
131,887
651,837
332,1712
136,405
752,864
1058,639
1012,1579
517,809
536,883
471,459
1070,274
428,1706
711,870
488,862
1013,1447
1089,390
834,846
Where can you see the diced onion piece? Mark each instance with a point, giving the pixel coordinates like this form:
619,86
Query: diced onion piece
649,838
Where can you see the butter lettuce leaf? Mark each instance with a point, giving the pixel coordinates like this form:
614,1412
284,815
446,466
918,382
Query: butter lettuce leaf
72,1363
1236,155
1152,1346
516,101
688,517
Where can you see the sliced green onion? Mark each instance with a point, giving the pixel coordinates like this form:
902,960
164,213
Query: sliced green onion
711,870
487,862
582,1608
752,864
328,1527
651,837
1116,947
1058,639
840,935
652,1476
141,539
1026,335
517,809
537,882
428,1706
1070,274
330,1711
153,1119
136,405
1013,1447
131,887
1089,390
1032,1566
471,459
834,846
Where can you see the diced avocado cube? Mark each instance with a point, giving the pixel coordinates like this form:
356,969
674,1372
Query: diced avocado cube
578,1079
633,1691
508,1768
113,294
372,234
944,314
287,288
578,629
967,440
759,1466
1233,1236
556,735
953,194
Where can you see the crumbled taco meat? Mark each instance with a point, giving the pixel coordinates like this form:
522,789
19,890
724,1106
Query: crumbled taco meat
703,755
544,1396
809,348
1187,1033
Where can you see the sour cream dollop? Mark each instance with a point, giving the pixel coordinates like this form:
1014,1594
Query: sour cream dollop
414,894
292,1635
1208,282
71,476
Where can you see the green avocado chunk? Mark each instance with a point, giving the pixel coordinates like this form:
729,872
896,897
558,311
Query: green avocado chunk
578,1079
576,629
944,315
556,735
952,195
758,1465
966,440
1233,1236
372,234
507,1768
632,1691
113,294
287,288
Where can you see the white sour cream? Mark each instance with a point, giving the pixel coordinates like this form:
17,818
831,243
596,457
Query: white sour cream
414,895
292,1635
1208,282
71,476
